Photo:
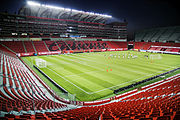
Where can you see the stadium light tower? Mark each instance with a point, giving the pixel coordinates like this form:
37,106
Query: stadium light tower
32,3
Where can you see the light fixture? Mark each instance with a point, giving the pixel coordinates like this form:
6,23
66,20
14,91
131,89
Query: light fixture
33,3
66,9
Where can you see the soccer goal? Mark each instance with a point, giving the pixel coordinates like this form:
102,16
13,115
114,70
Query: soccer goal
67,96
156,56
41,63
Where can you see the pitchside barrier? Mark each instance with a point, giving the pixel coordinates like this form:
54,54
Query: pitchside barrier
49,53
61,88
67,97
68,51
50,89
71,99
25,54
42,92
164,52
39,53
104,101
143,81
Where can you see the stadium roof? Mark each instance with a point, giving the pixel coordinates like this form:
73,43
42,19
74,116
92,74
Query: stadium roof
42,10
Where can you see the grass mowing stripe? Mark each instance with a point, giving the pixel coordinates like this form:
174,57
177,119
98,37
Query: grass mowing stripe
93,78
146,83
133,80
101,64
84,78
82,73
103,71
68,80
88,71
68,68
112,86
70,64
113,63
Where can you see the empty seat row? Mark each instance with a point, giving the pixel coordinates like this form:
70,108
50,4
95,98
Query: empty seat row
20,89
148,45
46,46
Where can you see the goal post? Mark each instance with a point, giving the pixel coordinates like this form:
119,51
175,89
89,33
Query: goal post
155,56
68,96
41,63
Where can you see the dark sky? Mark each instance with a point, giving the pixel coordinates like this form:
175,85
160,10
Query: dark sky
138,13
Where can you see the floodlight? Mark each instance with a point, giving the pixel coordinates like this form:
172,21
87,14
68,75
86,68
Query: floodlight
109,16
53,7
60,8
86,12
49,6
91,13
97,14
105,15
65,9
81,11
33,3
76,10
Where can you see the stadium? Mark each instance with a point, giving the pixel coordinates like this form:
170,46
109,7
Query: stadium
65,64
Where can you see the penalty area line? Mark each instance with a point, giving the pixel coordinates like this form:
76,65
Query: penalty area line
68,81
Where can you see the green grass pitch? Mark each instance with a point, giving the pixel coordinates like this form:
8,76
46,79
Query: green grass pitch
92,76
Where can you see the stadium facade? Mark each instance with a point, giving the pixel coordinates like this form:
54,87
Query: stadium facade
44,22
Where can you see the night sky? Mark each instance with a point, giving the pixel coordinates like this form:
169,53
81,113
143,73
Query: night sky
139,14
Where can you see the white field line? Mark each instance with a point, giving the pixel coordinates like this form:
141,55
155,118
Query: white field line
101,70
132,71
87,65
82,73
127,82
105,88
99,63
68,81
121,83
139,58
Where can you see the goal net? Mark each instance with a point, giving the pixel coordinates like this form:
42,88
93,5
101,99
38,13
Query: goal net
156,56
67,96
41,63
